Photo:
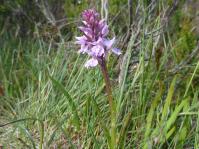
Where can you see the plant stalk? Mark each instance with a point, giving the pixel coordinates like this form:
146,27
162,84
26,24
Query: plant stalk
111,103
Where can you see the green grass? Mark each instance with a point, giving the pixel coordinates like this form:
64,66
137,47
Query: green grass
51,100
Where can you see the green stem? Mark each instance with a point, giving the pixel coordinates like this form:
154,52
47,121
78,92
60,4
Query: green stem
41,135
111,103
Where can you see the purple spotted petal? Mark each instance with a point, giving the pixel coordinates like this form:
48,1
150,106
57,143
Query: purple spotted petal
101,24
86,30
109,43
91,63
81,40
116,51
85,23
84,49
97,51
105,30
100,42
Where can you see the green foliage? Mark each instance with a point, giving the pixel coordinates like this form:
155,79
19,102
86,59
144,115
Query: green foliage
186,40
48,98
183,34
74,9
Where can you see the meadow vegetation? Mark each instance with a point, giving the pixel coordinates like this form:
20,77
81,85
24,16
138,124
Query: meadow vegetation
48,99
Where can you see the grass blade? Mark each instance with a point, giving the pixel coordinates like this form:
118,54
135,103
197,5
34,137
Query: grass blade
71,102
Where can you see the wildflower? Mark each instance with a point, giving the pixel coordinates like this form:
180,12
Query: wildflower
94,41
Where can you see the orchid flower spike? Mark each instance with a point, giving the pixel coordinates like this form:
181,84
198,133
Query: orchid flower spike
94,41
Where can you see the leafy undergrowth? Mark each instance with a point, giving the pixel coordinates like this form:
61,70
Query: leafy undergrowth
50,100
